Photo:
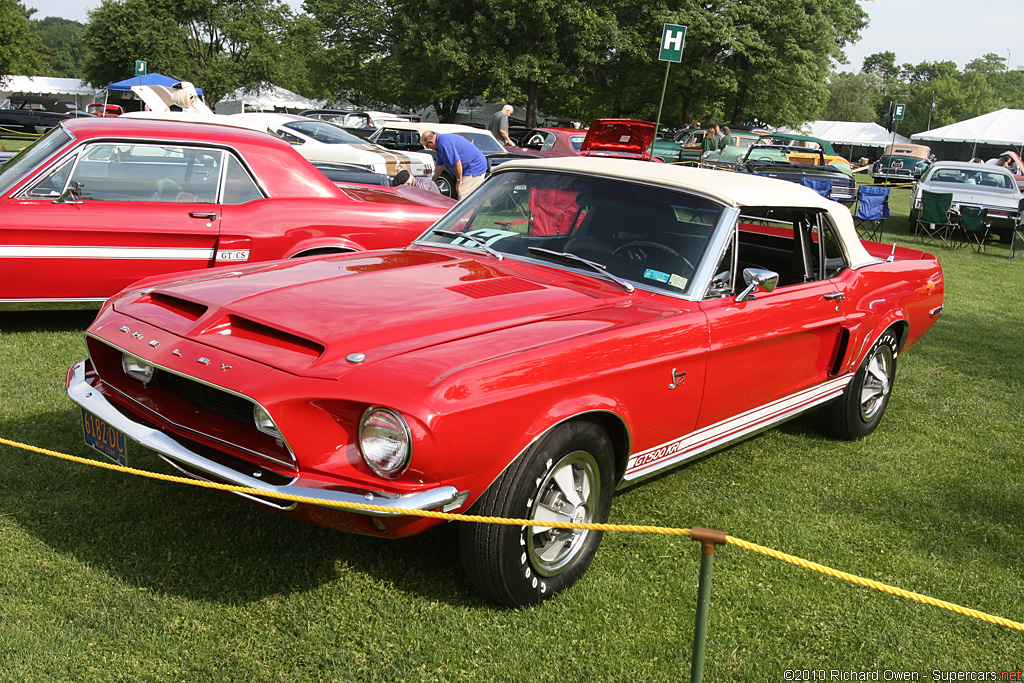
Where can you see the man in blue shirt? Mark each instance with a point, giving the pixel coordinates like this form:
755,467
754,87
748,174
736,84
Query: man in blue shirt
467,163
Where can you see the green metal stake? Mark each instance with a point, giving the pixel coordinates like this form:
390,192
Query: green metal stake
708,539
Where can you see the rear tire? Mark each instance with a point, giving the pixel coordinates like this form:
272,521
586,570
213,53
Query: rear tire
858,411
566,476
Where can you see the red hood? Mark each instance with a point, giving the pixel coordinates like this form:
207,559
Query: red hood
307,317
619,138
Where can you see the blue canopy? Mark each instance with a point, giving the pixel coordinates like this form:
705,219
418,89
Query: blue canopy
148,79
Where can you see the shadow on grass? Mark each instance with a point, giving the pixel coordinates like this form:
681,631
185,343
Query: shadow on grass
203,544
47,321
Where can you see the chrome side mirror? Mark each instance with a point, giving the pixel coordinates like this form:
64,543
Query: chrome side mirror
757,278
72,195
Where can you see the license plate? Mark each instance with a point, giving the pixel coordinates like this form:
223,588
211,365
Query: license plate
104,438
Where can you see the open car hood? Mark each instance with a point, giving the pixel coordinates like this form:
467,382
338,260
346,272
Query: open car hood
627,138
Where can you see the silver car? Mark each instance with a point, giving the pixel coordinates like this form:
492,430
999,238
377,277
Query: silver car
972,184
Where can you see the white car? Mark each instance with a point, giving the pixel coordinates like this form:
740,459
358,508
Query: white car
320,141
979,185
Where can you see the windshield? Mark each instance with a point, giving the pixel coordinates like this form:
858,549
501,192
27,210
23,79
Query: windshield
483,141
30,157
324,132
981,177
649,236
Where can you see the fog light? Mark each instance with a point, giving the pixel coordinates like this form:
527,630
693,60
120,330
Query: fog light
136,367
385,441
264,422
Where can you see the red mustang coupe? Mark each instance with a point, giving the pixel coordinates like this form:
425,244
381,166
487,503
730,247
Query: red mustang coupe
99,203
551,142
572,325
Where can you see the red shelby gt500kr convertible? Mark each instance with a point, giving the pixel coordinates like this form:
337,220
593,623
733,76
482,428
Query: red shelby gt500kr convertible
572,325
99,203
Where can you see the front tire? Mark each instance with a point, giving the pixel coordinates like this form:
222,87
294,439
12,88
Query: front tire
858,411
566,476
446,184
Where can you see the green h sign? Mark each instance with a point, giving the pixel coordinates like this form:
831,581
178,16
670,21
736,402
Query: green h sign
140,67
897,112
672,38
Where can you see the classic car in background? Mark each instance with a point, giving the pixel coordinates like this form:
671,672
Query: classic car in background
97,204
804,149
33,114
100,109
902,163
774,156
322,141
574,324
622,138
985,186
361,123
404,136
551,142
688,145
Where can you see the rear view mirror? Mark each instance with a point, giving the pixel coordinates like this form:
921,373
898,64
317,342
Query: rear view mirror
757,278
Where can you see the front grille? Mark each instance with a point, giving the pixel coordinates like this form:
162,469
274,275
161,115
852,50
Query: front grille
208,398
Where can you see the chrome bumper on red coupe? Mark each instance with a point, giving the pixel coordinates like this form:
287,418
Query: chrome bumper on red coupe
197,466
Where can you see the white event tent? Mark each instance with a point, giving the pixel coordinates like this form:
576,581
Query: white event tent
983,136
72,88
267,98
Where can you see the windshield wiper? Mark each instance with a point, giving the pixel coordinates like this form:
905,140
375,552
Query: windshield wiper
472,238
598,268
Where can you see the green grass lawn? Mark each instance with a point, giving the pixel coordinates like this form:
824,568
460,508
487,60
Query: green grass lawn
108,578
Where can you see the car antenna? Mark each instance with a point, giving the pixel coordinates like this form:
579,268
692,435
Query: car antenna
892,254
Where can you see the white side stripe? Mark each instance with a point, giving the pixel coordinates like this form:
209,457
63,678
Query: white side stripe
172,253
691,445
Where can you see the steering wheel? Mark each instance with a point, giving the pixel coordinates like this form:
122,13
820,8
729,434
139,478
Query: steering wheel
637,251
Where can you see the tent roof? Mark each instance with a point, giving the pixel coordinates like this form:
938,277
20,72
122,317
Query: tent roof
269,97
1002,127
148,79
852,133
46,85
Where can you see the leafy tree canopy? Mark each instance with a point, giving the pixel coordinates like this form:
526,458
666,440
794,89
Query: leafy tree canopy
61,46
18,45
220,45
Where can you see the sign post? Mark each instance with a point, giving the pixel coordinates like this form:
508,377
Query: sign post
673,36
897,115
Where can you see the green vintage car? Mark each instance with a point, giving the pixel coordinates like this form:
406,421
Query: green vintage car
688,145
902,163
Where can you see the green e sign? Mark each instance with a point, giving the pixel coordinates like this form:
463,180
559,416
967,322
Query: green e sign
897,112
672,38
140,67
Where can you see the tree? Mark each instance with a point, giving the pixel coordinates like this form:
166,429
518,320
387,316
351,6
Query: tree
853,97
18,45
62,47
220,45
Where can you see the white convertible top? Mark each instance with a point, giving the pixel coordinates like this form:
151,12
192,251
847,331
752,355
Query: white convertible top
732,189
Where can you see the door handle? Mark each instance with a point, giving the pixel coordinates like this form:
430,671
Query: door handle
208,215
835,296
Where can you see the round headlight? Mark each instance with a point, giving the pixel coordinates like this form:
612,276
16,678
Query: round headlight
385,441
137,368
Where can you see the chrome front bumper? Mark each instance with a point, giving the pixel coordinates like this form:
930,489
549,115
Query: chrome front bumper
184,459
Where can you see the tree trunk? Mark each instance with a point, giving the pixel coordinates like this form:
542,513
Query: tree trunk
532,104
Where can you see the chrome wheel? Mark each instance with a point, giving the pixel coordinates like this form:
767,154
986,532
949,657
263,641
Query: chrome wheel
877,382
569,493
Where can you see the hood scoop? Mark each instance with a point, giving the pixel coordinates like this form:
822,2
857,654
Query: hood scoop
483,289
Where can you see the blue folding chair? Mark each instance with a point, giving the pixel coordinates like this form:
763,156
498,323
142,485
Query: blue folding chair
872,210
822,187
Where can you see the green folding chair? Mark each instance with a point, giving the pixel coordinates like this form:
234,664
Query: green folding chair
1018,233
937,218
974,227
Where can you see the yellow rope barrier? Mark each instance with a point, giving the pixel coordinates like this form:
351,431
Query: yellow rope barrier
18,132
791,559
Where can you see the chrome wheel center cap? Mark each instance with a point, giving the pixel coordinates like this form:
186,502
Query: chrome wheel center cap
579,515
